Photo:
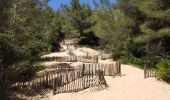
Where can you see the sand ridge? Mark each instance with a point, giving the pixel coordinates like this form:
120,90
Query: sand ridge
130,86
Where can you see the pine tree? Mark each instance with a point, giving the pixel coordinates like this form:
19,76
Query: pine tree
53,28
20,32
78,17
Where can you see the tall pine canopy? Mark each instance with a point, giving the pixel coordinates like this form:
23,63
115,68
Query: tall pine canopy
134,31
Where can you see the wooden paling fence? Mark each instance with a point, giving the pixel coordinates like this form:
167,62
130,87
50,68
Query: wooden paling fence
88,59
90,75
40,80
78,82
111,69
150,73
60,59
68,79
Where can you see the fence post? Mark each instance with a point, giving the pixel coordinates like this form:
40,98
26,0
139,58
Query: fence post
97,58
46,73
83,70
76,58
119,68
54,86
144,72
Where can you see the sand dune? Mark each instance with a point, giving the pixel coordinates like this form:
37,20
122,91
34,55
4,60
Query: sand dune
130,86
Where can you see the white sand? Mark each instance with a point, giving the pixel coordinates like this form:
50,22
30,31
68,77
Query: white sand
57,54
90,51
131,86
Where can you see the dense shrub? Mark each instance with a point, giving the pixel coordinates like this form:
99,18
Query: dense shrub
134,31
164,70
32,69
135,61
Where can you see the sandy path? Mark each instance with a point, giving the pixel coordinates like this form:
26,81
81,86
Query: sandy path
57,54
131,86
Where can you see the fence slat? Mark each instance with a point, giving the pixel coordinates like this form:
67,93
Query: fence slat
150,73
82,77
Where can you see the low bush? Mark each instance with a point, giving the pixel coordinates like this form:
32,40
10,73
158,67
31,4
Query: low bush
31,69
134,61
35,68
164,70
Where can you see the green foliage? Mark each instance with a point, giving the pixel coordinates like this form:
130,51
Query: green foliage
78,17
27,31
20,40
3,91
53,30
79,22
32,69
136,31
163,68
21,32
139,62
